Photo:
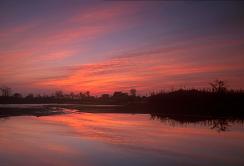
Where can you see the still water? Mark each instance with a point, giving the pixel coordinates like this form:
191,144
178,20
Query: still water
87,139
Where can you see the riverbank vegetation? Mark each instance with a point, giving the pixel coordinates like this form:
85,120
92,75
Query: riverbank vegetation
215,101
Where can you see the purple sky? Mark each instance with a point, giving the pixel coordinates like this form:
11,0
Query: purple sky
102,46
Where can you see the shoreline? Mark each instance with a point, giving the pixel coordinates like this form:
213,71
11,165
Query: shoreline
56,109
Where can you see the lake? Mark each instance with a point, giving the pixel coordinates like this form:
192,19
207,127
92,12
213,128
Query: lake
91,139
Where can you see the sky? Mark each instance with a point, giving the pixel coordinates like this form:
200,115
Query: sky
107,46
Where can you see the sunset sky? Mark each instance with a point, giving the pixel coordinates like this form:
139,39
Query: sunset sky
103,46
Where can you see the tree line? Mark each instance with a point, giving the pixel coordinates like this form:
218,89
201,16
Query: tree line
217,93
7,96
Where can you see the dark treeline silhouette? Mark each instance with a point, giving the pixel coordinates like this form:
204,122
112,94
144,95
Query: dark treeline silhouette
216,101
216,107
59,97
219,101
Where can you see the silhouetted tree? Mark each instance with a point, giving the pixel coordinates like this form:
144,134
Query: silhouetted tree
17,95
72,95
59,94
81,95
120,97
218,86
87,94
119,94
5,91
133,92
105,96
30,96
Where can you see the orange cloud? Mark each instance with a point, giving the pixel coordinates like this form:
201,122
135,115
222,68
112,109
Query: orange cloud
149,69
56,54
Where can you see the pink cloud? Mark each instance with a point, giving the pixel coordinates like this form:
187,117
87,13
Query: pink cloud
150,69
41,56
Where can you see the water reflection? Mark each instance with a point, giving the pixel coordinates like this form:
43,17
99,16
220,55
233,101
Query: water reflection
219,124
116,139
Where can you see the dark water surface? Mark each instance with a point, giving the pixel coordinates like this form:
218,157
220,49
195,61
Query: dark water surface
91,139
